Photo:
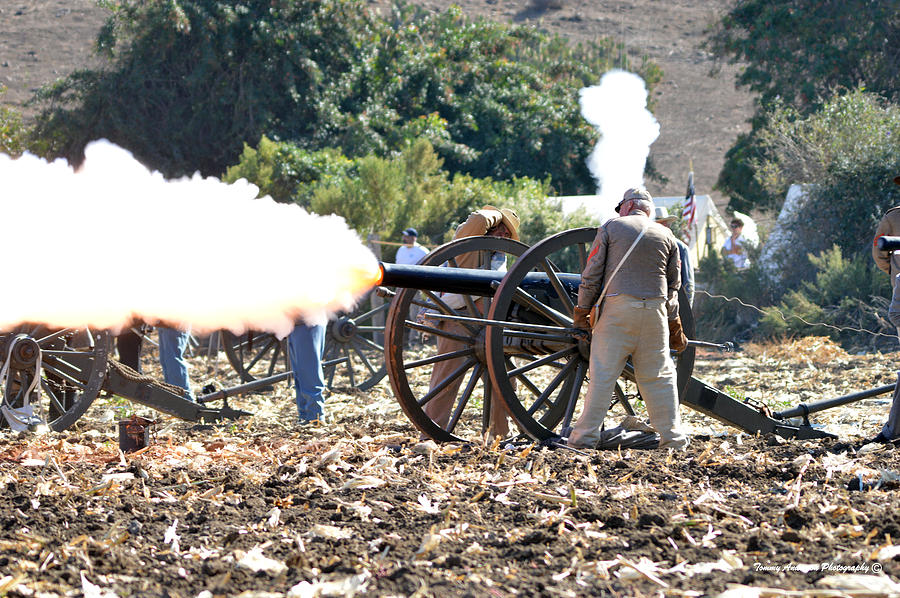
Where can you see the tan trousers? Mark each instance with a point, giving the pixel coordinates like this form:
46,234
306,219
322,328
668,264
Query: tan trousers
631,326
440,407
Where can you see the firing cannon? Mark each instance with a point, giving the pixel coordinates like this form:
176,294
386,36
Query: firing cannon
515,330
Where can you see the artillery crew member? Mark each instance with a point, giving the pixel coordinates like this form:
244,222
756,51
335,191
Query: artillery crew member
633,273
889,261
492,222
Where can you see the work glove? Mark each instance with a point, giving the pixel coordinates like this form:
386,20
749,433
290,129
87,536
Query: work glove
580,318
677,340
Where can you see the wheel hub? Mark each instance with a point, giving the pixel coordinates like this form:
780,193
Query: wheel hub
25,352
344,329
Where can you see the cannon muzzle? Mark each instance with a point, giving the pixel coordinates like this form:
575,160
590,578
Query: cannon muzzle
888,243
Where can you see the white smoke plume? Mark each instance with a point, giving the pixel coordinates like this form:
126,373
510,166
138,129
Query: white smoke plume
618,109
114,241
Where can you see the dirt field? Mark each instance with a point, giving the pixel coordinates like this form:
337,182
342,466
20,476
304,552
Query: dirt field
360,506
700,116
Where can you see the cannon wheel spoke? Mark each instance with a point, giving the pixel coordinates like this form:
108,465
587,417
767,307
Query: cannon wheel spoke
438,367
357,338
255,354
561,390
73,369
352,346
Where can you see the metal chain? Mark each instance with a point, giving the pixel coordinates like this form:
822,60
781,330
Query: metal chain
785,318
133,376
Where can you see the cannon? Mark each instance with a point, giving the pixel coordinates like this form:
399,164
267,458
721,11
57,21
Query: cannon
51,376
515,343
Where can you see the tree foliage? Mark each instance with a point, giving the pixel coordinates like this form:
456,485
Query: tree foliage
383,196
847,153
803,50
13,133
800,54
188,82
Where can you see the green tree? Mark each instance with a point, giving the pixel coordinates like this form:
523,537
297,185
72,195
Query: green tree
803,50
188,82
800,54
847,154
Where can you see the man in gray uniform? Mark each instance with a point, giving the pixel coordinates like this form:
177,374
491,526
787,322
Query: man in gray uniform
634,273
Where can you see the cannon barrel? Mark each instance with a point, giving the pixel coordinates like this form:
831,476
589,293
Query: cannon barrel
888,243
466,280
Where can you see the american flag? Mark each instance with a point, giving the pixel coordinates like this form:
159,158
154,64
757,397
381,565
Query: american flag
689,214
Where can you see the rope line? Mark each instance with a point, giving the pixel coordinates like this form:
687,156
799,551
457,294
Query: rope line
785,318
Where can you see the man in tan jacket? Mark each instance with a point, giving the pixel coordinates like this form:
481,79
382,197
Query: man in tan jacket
889,261
491,222
634,272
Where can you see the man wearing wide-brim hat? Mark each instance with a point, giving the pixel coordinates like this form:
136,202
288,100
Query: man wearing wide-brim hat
889,261
662,216
489,221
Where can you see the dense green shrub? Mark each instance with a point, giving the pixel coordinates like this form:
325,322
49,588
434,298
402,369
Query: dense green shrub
849,295
189,82
382,196
286,172
848,152
13,133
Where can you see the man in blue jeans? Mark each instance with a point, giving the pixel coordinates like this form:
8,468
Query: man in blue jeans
172,345
306,344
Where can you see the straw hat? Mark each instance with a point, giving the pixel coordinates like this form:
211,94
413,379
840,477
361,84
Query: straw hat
509,218
661,215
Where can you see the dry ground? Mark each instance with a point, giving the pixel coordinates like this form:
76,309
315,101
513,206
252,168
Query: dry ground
265,508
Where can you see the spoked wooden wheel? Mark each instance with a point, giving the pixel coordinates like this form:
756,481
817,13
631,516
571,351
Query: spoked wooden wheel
437,367
353,355
354,346
50,376
256,354
550,367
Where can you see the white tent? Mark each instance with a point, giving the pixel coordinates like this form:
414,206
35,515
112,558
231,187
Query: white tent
709,231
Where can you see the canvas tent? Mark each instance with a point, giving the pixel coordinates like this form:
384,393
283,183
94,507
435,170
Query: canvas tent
710,228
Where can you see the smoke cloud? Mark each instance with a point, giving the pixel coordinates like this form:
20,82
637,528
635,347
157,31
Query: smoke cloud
618,109
114,241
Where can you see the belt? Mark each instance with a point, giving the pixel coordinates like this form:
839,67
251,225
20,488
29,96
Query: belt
652,303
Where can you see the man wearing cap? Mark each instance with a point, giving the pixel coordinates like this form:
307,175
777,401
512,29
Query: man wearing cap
410,252
491,222
633,272
661,215
889,261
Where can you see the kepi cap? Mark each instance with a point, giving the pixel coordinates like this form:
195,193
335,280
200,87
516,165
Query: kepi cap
634,193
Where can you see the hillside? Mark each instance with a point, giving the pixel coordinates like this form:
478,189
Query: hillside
700,116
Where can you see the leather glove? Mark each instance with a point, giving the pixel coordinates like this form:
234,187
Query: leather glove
580,318
677,340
